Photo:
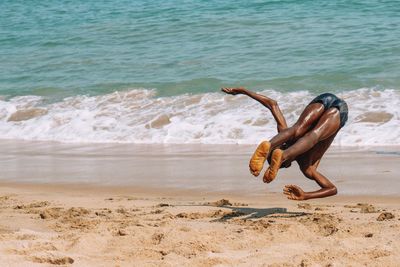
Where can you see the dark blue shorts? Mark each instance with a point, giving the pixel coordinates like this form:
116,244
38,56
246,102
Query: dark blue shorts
330,100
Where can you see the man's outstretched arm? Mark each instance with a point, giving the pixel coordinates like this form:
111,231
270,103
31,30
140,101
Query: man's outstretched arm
267,102
328,189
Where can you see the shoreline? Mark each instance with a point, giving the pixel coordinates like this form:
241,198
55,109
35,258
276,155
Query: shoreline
86,188
204,168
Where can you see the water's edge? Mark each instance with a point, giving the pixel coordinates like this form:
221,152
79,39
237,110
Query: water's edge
205,168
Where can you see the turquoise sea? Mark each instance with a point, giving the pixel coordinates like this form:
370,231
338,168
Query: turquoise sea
148,71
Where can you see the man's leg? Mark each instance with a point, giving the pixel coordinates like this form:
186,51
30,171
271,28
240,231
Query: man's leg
257,160
327,125
308,164
307,119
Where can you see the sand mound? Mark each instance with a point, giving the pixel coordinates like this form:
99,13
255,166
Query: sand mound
385,216
322,224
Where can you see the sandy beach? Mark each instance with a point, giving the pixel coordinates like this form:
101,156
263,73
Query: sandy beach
191,206
46,225
126,130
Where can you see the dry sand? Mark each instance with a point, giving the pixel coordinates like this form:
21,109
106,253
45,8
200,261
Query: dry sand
47,225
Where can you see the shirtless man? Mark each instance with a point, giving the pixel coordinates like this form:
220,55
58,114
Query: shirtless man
306,141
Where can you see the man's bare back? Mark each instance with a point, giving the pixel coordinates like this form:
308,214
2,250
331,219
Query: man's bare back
306,141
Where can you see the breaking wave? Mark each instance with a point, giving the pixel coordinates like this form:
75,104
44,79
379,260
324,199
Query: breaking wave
138,116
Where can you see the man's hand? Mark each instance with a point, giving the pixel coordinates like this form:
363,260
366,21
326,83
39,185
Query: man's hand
233,91
294,192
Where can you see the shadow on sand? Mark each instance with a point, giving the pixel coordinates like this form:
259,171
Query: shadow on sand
247,213
254,213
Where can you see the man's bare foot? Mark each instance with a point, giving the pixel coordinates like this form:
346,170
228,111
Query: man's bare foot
276,161
260,155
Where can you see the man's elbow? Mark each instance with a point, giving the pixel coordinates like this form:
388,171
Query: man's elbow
273,106
334,190
273,103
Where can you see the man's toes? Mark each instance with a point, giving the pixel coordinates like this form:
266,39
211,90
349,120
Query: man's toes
276,161
253,172
267,178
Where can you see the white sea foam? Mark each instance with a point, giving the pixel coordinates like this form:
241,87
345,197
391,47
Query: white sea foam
137,116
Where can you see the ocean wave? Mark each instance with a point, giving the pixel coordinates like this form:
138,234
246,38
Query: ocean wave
138,116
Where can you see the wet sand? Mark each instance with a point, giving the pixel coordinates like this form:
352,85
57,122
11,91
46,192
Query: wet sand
121,205
207,168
